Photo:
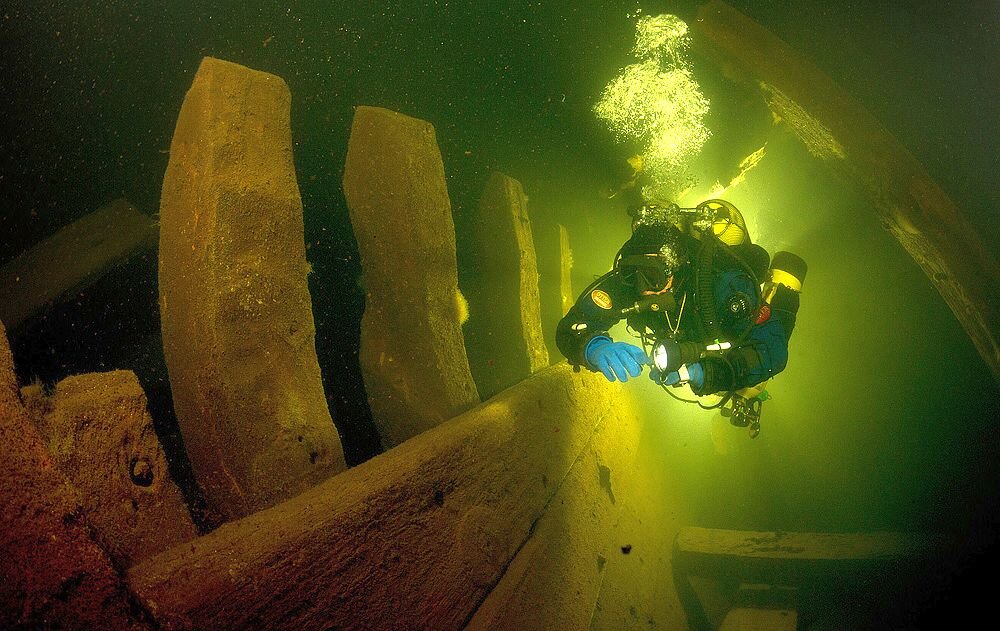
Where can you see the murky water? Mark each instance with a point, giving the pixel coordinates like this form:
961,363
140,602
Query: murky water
884,418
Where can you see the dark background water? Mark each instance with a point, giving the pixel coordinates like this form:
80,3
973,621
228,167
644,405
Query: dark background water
92,91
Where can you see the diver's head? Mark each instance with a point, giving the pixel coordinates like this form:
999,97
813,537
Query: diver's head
651,258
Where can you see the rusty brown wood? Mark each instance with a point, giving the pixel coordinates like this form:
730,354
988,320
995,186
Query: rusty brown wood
52,573
413,357
101,435
236,313
412,539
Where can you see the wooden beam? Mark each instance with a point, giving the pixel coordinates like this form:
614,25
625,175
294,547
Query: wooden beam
772,557
503,336
71,259
802,560
236,313
413,538
855,146
556,578
412,355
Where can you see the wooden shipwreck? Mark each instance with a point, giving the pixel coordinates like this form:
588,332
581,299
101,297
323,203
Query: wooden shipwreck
539,506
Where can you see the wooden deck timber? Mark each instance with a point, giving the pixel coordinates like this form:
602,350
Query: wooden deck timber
808,563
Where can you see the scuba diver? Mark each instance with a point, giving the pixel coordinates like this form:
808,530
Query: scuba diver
710,308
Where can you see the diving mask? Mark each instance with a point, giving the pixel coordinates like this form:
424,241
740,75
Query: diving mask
645,272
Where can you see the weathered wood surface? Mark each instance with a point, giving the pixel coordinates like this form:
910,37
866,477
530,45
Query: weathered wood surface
806,546
758,607
555,284
101,436
71,259
751,619
238,330
796,557
637,590
413,356
558,573
414,538
52,574
504,333
854,145
566,295
546,236
817,565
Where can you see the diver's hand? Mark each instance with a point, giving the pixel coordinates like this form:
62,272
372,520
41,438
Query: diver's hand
617,360
695,376
662,379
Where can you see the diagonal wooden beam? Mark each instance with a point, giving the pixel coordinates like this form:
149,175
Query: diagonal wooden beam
71,259
856,147
413,538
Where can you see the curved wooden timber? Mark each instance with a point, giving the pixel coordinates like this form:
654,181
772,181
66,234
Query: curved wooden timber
855,146
235,308
417,537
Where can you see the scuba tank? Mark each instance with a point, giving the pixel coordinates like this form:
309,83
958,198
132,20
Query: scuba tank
783,286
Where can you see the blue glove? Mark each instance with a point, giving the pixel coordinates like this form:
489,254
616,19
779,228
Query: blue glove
615,359
696,375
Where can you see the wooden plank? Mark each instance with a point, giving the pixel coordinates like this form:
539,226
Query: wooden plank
71,259
749,619
236,313
697,542
819,567
795,558
546,235
556,578
413,538
811,562
566,295
504,333
855,146
413,356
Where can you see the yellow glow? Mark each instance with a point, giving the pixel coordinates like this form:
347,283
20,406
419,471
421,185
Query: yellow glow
750,162
816,136
693,196
657,103
461,307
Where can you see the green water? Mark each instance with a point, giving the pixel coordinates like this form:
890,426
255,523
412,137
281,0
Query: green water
885,417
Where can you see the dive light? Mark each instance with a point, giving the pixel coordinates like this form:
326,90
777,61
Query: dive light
669,355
